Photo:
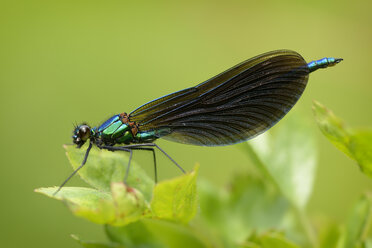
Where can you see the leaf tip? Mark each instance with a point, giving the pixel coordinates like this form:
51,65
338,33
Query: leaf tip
66,146
49,191
196,167
317,105
74,236
315,102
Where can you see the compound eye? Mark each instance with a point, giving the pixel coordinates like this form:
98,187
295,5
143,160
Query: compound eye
84,132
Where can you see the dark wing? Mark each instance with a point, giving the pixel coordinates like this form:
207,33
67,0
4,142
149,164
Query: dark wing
234,106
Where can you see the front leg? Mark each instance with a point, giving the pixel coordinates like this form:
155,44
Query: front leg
77,169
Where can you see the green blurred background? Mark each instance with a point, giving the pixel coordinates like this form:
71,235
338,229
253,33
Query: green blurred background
63,62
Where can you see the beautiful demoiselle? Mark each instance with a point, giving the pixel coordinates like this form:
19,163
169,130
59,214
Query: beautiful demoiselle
234,106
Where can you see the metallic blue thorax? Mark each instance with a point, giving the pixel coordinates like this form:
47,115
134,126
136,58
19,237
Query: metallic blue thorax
114,131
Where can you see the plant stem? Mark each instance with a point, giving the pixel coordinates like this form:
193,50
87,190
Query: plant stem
306,225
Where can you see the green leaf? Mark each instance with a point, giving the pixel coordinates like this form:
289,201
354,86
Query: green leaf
357,144
288,159
269,240
175,199
156,234
124,205
249,204
94,244
175,235
367,243
104,167
88,203
135,234
130,204
332,127
330,233
360,147
359,222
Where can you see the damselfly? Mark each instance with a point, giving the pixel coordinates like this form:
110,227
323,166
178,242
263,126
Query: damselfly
234,106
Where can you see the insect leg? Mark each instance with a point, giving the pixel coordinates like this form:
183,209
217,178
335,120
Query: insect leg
166,154
121,148
129,148
74,172
154,157
155,145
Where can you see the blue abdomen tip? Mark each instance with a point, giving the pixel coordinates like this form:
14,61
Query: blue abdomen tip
323,63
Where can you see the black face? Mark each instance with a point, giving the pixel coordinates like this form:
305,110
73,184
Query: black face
81,134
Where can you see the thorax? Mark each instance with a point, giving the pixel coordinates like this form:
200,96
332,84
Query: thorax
120,130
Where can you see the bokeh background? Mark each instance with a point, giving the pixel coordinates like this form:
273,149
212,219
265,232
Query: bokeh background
66,61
